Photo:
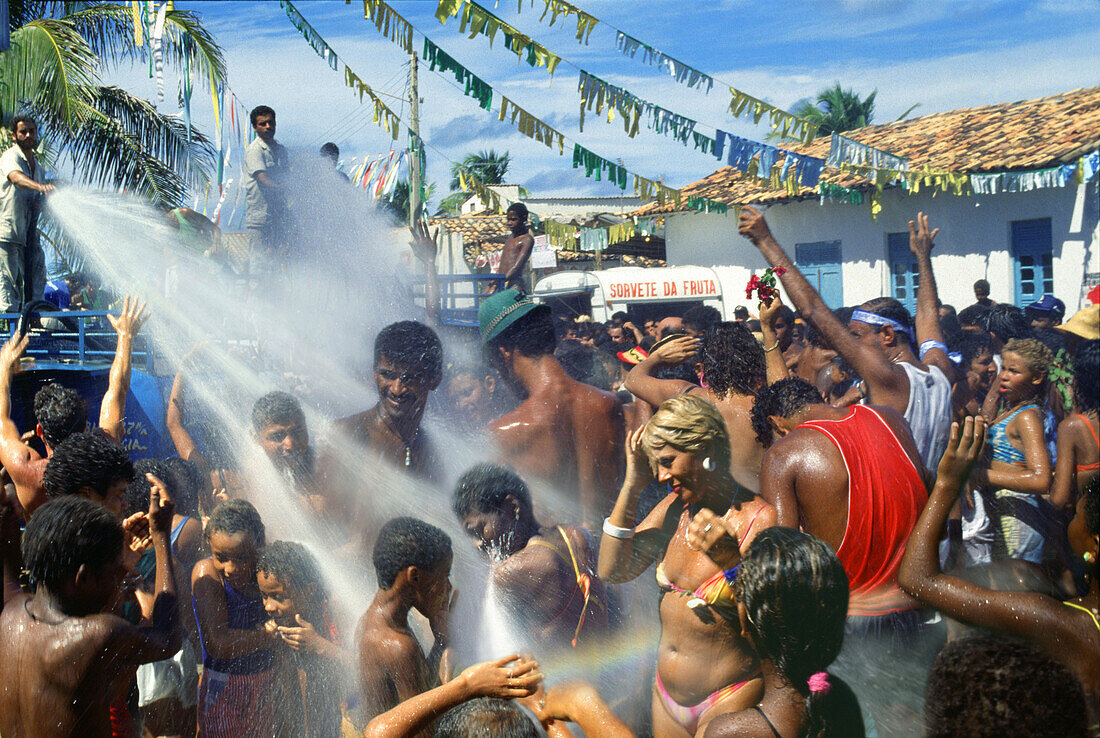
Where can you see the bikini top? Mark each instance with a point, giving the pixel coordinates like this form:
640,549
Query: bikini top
1003,450
1086,611
1095,466
584,582
717,591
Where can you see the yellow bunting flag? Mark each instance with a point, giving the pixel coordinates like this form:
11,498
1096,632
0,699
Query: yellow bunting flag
389,23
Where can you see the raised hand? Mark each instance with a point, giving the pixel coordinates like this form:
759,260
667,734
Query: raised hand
638,470
769,310
964,448
131,319
161,507
752,225
506,678
11,353
920,239
712,535
676,351
424,244
440,618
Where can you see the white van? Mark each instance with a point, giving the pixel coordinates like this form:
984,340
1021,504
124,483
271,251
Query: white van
645,293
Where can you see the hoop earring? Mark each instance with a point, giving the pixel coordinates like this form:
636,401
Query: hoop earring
708,464
1087,557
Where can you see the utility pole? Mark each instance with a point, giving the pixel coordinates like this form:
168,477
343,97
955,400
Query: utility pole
414,130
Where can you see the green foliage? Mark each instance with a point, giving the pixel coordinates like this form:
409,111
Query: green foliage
838,110
487,166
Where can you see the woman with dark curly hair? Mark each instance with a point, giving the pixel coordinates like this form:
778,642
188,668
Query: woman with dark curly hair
730,364
1078,458
1069,631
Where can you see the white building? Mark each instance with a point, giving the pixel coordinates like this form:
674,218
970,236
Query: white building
1025,244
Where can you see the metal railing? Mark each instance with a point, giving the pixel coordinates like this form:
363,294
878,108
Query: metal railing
75,337
460,296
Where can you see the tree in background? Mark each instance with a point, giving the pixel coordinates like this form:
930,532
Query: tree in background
398,204
836,110
487,167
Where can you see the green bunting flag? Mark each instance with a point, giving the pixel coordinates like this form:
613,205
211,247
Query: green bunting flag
476,88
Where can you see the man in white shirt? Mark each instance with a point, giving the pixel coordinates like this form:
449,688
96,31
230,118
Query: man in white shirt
22,188
265,164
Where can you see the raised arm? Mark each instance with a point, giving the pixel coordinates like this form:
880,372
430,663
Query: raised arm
641,382
507,678
173,419
162,638
15,455
626,551
580,703
775,364
933,351
887,382
112,409
426,248
1025,614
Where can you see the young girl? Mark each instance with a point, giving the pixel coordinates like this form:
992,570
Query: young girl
1079,434
296,600
1017,475
239,689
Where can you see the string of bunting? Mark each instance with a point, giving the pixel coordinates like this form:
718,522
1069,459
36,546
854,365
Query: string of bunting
390,24
843,150
482,22
438,59
382,114
377,176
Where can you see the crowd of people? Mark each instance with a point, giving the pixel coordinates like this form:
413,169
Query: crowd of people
833,522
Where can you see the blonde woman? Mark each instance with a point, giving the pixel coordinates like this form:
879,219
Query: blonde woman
704,666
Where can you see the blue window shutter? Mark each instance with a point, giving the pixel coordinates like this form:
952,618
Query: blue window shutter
1032,260
820,263
904,276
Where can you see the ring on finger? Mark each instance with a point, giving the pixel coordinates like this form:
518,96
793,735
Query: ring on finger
707,527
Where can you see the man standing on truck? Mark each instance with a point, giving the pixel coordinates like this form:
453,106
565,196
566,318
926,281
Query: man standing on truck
565,433
22,188
517,249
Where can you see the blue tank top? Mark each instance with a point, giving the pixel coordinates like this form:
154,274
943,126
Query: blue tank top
1003,450
242,613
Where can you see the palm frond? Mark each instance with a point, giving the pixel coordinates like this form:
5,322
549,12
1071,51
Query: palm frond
53,235
107,28
49,68
186,38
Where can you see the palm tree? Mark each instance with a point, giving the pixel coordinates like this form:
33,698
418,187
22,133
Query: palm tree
487,167
398,204
112,138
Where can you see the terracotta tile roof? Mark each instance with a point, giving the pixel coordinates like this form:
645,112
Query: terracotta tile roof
1030,134
475,229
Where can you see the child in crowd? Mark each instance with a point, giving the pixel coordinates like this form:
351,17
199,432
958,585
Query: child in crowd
64,659
412,560
1017,474
239,689
977,371
1078,460
296,600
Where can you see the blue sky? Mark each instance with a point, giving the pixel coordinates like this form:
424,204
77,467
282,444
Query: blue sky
943,55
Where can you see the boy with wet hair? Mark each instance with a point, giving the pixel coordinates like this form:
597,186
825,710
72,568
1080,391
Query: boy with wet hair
66,660
90,465
280,427
296,600
412,561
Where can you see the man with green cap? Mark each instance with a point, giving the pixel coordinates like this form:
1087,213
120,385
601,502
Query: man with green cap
566,433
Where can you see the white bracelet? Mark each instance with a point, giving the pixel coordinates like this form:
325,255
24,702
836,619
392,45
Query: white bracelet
623,534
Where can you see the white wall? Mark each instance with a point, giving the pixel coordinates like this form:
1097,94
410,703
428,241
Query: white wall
973,243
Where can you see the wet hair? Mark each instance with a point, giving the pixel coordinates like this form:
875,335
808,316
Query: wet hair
293,564
688,423
784,398
976,315
237,516
257,112
702,318
330,150
733,361
576,359
1037,356
519,209
405,542
485,717
1086,376
278,407
949,323
1052,339
987,686
482,489
1007,322
88,459
188,483
787,571
888,307
412,347
532,335
23,118
972,344
137,492
65,534
60,411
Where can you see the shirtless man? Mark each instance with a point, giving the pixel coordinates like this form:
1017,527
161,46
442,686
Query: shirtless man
408,364
412,562
65,660
545,575
517,249
853,478
564,432
60,411
876,343
732,364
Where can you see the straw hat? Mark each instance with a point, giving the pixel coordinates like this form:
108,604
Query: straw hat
1084,323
